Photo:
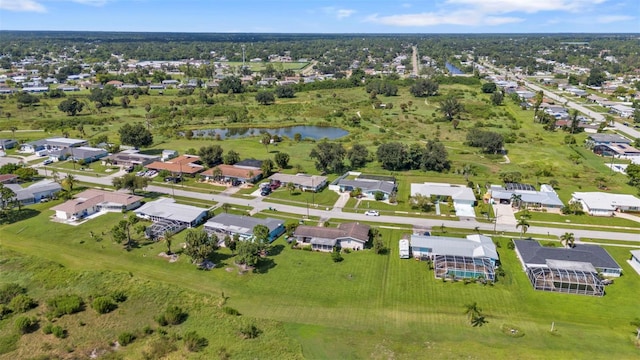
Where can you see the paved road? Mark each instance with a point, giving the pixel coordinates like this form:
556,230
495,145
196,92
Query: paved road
630,131
258,205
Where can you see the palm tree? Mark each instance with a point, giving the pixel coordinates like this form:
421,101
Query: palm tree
266,140
226,207
69,181
472,310
217,173
168,237
567,239
523,225
516,198
291,186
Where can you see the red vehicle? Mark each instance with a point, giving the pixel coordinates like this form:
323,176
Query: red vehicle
275,184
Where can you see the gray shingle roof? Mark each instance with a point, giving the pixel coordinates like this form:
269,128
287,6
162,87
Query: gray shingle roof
240,224
534,253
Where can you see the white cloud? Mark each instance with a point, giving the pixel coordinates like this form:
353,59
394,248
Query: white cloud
91,2
607,19
338,13
22,6
483,12
465,18
406,5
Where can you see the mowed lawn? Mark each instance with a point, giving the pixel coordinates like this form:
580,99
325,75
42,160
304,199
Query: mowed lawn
368,306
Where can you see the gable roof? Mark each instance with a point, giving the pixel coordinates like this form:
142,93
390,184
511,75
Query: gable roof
235,172
166,208
532,253
369,185
609,138
300,179
181,164
31,190
475,245
92,197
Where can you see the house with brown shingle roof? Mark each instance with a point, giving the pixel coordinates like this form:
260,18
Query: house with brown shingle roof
232,173
92,201
184,164
348,235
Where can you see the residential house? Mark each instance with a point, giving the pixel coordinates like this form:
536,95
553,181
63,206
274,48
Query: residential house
168,216
131,157
546,198
304,182
622,110
458,258
6,144
602,138
347,235
51,144
185,164
462,196
605,204
34,193
78,154
572,270
93,201
168,155
232,173
229,224
369,184
8,178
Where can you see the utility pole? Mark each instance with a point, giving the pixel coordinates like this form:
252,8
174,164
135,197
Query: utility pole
242,56
495,220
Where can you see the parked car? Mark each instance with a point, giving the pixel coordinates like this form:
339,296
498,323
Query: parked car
265,191
172,179
47,162
275,184
128,169
371,213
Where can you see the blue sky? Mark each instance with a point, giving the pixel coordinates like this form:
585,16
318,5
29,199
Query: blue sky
324,16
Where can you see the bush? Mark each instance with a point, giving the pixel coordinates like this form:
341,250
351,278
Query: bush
5,311
26,324
119,296
160,348
174,315
103,305
230,311
193,342
59,332
336,256
126,338
147,330
9,291
48,329
161,320
65,305
22,303
249,331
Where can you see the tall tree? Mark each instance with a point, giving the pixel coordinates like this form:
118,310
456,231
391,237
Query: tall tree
435,157
281,159
198,245
392,156
247,253
69,182
523,224
231,157
567,239
539,97
358,156
266,140
211,155
265,97
424,87
121,232
450,107
135,135
329,156
71,106
130,182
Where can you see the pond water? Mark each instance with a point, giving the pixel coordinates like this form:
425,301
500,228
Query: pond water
305,131
452,69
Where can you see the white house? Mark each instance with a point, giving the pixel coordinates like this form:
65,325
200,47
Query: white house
462,196
92,201
605,204
347,235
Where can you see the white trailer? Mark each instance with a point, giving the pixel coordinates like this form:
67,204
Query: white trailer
404,249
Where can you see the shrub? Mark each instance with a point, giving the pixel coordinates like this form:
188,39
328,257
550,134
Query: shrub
249,331
25,324
161,320
103,305
22,303
65,305
9,291
336,256
230,311
175,315
193,342
59,332
147,330
160,348
119,296
48,329
126,338
5,311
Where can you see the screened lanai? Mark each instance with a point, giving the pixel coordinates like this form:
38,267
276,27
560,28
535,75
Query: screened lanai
571,277
463,267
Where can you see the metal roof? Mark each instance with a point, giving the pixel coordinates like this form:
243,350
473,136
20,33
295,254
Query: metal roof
606,201
472,246
166,208
369,185
457,192
240,224
532,254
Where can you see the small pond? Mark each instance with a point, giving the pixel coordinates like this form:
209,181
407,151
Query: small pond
452,69
305,131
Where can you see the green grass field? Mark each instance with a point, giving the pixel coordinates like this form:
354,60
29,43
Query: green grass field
368,306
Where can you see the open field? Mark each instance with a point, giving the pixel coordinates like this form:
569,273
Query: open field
364,307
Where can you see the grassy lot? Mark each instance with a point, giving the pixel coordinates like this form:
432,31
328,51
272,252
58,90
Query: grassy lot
583,219
325,198
385,305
